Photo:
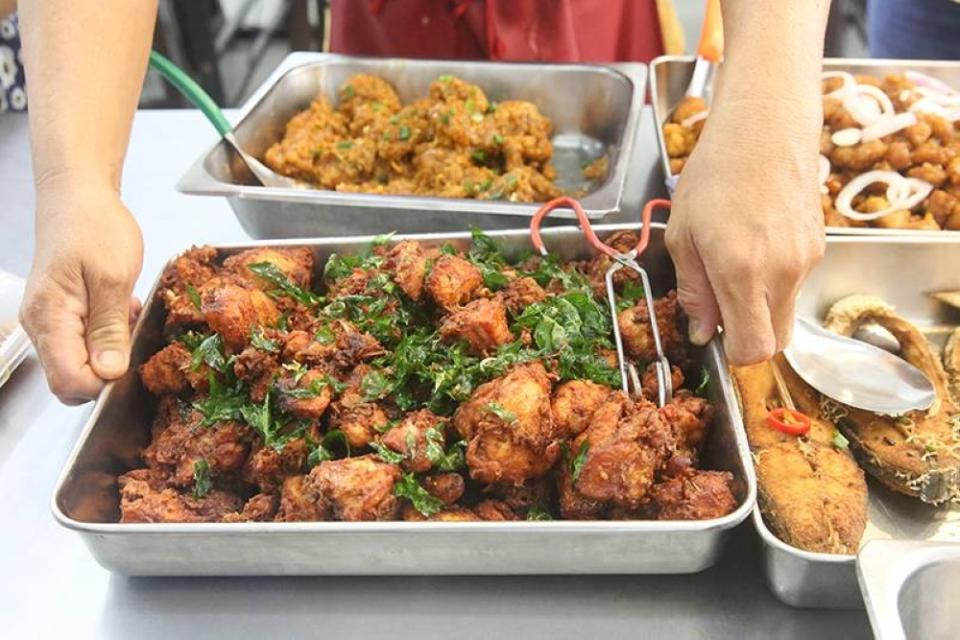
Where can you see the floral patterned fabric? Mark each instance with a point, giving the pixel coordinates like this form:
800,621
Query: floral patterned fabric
13,96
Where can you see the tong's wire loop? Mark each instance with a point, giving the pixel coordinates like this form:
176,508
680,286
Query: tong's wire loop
629,377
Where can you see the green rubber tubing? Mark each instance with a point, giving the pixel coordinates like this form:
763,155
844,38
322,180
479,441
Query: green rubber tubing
191,91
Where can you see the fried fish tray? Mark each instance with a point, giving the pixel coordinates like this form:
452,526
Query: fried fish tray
86,496
903,272
670,76
595,109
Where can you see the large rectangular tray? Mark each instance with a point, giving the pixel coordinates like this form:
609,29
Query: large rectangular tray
903,272
594,109
670,77
85,498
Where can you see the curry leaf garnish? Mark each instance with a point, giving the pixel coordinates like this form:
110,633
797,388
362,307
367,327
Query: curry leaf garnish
325,449
576,465
282,285
408,487
501,412
260,341
193,295
209,352
538,513
387,454
201,479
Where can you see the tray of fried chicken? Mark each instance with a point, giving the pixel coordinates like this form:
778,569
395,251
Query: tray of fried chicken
888,149
447,380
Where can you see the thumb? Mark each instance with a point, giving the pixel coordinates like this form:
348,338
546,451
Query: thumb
108,328
695,294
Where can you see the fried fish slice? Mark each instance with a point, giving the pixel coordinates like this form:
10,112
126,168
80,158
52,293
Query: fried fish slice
917,454
951,363
951,298
812,495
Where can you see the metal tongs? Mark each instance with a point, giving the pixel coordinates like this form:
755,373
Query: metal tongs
629,376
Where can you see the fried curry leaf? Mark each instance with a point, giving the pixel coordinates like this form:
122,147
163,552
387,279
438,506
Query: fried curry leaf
501,412
193,295
486,256
209,352
282,285
576,465
408,487
537,513
260,341
387,454
201,479
703,388
327,447
221,403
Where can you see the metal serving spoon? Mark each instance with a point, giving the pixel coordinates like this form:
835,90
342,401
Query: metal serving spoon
202,100
856,373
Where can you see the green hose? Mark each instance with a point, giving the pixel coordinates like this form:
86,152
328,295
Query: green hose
191,91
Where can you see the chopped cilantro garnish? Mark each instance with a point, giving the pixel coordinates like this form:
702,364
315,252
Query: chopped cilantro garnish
345,144
349,91
403,133
497,138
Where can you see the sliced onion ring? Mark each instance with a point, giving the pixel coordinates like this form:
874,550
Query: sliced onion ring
848,82
824,173
943,99
928,82
847,137
695,118
902,193
856,103
890,125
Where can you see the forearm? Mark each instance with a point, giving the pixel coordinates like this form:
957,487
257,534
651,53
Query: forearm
85,62
770,83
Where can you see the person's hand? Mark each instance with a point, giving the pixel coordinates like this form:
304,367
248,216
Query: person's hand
745,229
77,308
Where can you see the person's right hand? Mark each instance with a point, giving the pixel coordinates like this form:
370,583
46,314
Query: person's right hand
77,308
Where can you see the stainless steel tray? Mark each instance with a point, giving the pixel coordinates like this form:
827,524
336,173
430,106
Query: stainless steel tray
670,76
85,498
911,589
594,109
903,272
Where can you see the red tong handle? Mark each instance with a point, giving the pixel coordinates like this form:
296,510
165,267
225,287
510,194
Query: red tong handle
569,203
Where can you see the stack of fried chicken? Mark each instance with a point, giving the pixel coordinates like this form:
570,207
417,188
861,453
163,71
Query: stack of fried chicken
423,383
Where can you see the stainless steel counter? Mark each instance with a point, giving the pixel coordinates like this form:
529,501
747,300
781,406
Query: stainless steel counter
50,585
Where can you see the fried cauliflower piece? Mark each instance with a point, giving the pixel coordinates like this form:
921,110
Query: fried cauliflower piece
302,501
358,488
574,402
410,438
694,495
509,427
361,421
143,498
452,281
296,263
407,263
233,312
482,324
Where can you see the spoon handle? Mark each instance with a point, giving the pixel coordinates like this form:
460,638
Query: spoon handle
191,91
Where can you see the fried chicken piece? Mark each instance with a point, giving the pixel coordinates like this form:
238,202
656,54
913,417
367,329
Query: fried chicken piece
574,402
621,452
180,280
573,505
450,514
452,281
258,369
358,488
347,348
447,487
180,444
812,496
267,467
407,263
296,263
495,510
233,312
301,501
689,417
170,370
509,426
359,420
260,508
521,498
142,500
689,106
649,385
308,397
638,336
695,495
521,293
410,438
482,324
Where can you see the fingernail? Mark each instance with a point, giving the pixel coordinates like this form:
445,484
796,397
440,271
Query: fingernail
699,334
110,359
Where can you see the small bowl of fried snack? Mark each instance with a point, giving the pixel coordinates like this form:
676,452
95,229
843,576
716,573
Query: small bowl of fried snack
888,150
406,382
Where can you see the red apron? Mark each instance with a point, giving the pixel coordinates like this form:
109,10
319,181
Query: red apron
552,30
